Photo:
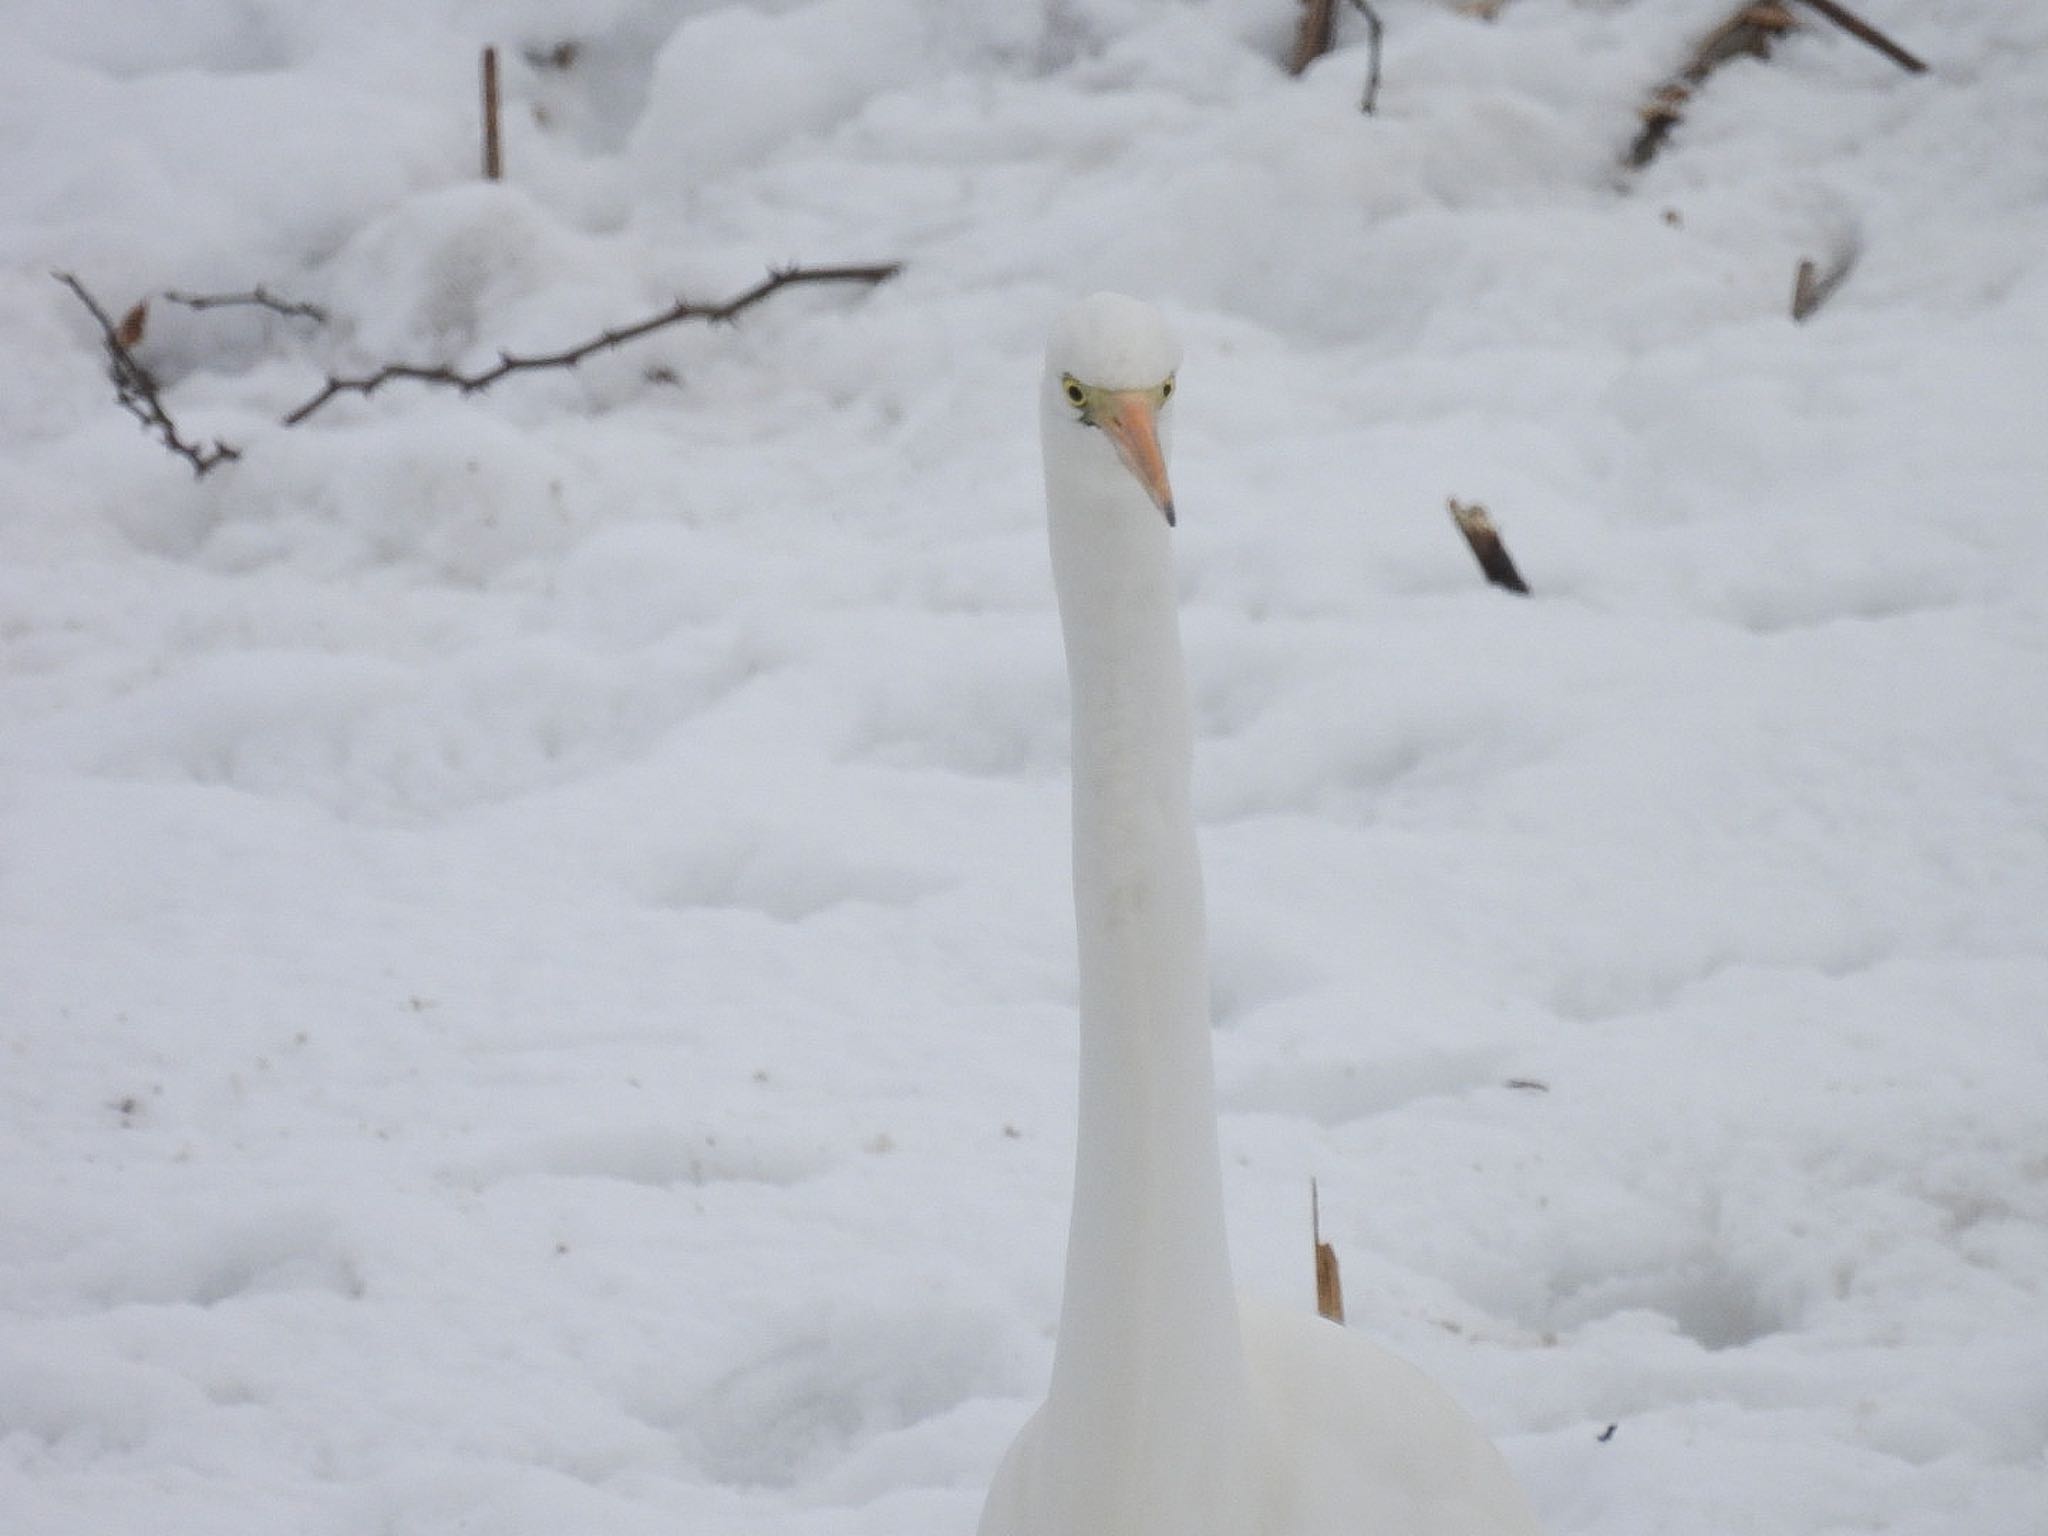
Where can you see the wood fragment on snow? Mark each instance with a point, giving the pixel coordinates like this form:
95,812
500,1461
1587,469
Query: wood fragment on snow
1476,524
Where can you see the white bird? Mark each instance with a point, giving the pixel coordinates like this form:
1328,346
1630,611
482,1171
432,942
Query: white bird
1174,1408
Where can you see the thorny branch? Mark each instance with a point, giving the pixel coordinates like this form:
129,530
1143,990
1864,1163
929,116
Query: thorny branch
258,297
137,390
569,357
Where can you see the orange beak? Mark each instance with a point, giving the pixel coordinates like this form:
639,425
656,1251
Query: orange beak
1132,424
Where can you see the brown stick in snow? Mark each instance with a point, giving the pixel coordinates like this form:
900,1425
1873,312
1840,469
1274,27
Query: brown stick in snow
494,164
1313,35
1477,525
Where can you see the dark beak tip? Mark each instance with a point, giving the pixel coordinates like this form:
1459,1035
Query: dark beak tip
1171,521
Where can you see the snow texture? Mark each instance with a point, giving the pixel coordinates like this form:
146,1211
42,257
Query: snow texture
536,972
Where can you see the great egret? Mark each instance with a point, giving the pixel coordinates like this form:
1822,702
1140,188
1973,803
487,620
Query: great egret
1175,1409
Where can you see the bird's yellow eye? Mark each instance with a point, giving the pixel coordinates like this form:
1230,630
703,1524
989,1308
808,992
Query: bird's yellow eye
1076,395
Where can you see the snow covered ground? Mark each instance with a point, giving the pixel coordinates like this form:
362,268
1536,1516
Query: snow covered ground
535,962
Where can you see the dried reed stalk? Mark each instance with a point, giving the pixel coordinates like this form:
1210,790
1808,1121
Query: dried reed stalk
494,160
1329,1283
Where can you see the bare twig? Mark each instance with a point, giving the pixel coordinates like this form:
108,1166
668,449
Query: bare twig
1864,32
1369,103
1477,525
1316,34
258,297
569,357
137,390
1329,1283
494,164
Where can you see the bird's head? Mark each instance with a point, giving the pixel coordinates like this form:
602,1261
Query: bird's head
1109,371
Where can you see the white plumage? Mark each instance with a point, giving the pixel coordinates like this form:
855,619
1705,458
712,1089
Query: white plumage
1174,1409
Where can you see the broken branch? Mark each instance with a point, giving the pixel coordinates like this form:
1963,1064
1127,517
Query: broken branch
1864,32
569,357
137,390
1747,33
1476,524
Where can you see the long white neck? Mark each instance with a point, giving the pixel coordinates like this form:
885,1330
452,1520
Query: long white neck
1148,1391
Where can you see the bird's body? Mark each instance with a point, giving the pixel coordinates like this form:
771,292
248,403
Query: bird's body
1175,1409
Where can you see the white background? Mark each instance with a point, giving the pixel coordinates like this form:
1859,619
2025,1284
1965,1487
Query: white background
536,981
